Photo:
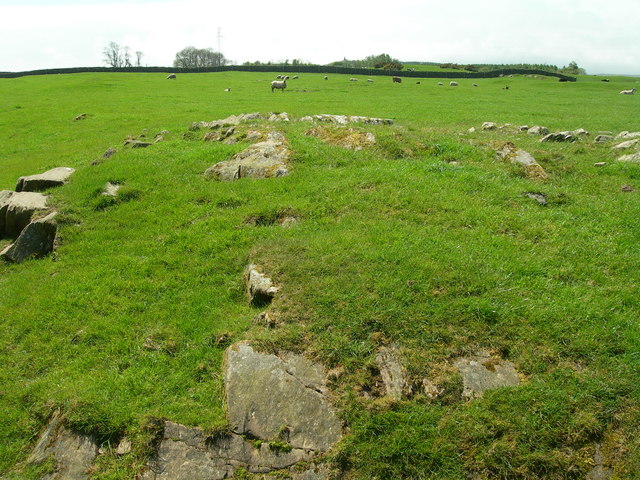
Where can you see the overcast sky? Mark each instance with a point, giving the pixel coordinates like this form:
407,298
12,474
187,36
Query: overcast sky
602,37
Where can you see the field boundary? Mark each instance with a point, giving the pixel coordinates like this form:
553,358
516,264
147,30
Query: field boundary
323,69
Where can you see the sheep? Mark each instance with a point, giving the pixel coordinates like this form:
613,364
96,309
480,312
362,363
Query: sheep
171,76
295,77
281,84
474,84
417,83
353,79
369,80
628,92
440,84
506,87
326,78
396,79
227,89
453,84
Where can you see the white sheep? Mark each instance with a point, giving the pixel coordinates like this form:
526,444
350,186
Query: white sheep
326,78
279,84
295,77
370,80
353,79
627,92
474,84
171,76
440,84
453,84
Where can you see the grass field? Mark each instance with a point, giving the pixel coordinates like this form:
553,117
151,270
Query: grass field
425,241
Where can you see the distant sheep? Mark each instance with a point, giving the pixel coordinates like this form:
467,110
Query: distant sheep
295,77
417,83
453,84
326,78
440,84
627,92
506,87
370,80
474,84
396,79
171,75
279,84
353,79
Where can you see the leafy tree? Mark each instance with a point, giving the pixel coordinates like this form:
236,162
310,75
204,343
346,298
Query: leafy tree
192,57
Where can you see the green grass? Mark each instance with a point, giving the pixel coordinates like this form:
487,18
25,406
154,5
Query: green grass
425,240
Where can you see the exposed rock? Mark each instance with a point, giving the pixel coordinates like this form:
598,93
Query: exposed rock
124,446
279,117
109,153
628,135
51,178
188,453
72,452
538,197
111,189
430,390
532,168
489,126
626,144
266,319
599,164
261,160
631,158
5,197
137,143
346,119
346,138
482,372
627,188
538,130
472,130
231,120
603,138
599,471
260,289
17,210
269,397
81,116
36,240
559,137
218,135
394,376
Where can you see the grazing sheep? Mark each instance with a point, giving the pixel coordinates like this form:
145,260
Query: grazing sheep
369,80
417,83
604,80
295,77
474,84
453,84
506,87
279,84
440,84
227,89
326,78
171,75
353,79
396,79
627,92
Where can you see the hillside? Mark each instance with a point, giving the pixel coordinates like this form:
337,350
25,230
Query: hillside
440,312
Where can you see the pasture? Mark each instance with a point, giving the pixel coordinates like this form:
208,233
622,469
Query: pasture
425,242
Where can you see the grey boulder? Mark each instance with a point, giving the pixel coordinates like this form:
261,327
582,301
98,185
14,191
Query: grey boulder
36,240
51,178
17,209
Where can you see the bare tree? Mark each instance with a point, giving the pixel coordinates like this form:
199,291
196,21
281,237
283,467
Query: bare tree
113,55
139,56
126,57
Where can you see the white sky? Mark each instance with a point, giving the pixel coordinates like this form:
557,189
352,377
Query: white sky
602,37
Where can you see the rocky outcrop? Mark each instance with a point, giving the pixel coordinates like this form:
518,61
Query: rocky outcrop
511,153
346,119
73,453
188,453
279,398
483,372
17,209
261,160
626,144
51,178
36,240
567,136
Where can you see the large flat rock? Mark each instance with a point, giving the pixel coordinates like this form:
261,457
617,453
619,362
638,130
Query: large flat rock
51,178
188,453
272,398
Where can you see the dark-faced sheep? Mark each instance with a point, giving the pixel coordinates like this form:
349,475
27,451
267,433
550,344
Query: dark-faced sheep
171,76
396,79
627,92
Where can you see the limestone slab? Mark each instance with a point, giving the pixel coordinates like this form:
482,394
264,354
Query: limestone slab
51,178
